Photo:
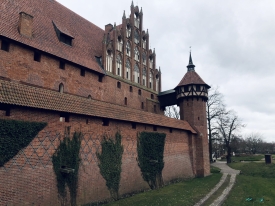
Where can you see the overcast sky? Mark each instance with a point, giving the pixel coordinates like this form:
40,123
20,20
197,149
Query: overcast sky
233,47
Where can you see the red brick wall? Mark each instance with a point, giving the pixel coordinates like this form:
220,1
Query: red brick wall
29,178
193,110
18,65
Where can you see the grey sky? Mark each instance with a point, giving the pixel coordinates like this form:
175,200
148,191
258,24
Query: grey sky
233,47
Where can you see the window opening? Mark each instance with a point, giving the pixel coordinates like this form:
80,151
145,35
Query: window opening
64,117
131,89
5,46
134,125
118,85
61,88
139,92
155,128
125,100
198,88
37,56
61,65
142,105
152,96
100,78
105,122
82,72
66,39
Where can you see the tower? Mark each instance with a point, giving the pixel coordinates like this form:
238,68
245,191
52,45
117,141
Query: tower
191,94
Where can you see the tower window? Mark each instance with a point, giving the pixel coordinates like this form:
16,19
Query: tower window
198,88
118,85
131,89
152,96
134,125
171,130
5,46
186,89
142,105
139,92
61,65
36,56
89,97
125,100
105,122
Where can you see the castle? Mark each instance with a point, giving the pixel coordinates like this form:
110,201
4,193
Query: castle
59,68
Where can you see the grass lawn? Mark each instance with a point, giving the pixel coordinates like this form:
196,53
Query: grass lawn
184,193
246,158
256,181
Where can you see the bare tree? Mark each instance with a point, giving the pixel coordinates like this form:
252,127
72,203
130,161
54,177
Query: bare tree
254,142
172,111
214,107
228,124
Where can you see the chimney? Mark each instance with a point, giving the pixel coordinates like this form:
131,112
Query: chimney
25,24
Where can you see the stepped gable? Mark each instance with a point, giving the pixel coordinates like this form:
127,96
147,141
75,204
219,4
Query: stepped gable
87,37
14,93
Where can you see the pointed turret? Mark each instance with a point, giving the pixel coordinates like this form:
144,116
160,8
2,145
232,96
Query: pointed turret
124,16
190,66
132,5
141,10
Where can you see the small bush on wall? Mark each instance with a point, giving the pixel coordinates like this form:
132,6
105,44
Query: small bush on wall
110,160
150,148
16,135
66,165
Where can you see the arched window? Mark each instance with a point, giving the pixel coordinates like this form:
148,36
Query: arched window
119,44
150,80
128,70
136,54
89,97
118,65
151,62
128,31
136,73
137,20
128,49
136,39
144,43
61,88
144,76
109,60
157,83
144,58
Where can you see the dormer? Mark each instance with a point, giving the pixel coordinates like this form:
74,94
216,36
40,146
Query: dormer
63,35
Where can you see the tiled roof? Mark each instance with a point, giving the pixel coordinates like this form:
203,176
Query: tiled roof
191,77
15,93
88,37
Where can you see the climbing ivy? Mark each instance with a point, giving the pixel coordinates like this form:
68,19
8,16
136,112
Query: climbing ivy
16,135
150,148
110,160
66,165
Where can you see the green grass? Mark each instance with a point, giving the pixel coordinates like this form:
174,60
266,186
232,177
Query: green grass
246,158
256,181
184,193
215,169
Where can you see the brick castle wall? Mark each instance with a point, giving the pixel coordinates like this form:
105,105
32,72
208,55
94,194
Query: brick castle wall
29,178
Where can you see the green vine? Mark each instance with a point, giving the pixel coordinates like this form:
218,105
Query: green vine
150,148
110,160
16,135
66,165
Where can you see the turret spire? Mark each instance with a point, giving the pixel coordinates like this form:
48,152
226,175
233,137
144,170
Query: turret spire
190,66
132,5
124,16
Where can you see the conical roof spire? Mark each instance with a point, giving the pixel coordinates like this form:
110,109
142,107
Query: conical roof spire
190,66
132,5
124,16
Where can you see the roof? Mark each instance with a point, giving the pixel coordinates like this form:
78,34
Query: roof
87,42
191,77
14,93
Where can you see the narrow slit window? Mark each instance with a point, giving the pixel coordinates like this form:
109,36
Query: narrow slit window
118,85
82,72
37,56
131,89
61,65
125,100
142,105
105,122
100,78
5,46
139,92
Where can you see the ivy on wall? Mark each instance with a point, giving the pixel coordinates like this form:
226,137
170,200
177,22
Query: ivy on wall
66,165
16,135
110,160
150,148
